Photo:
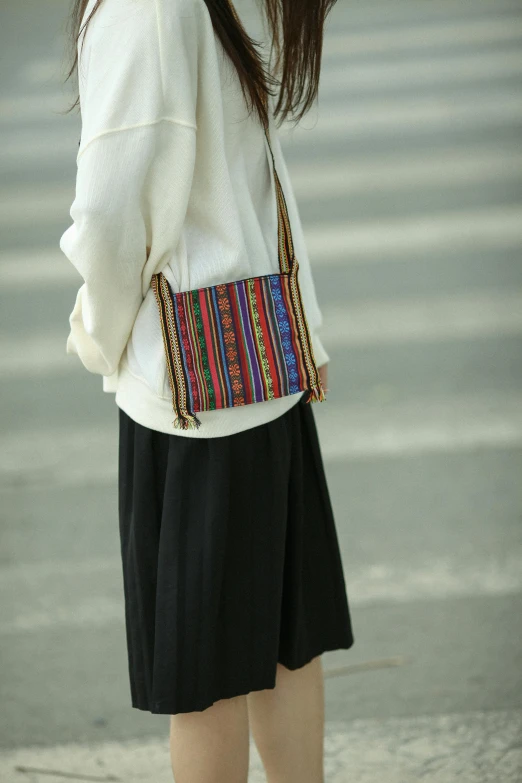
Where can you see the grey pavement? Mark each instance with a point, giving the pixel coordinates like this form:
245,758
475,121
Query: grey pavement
408,176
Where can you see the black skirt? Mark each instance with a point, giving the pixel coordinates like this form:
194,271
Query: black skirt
230,557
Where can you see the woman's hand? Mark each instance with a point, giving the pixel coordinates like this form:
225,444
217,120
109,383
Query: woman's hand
323,373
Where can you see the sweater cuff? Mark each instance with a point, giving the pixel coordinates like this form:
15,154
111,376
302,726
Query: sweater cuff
110,382
320,355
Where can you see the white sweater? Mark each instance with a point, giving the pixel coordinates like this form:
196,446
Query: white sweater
173,176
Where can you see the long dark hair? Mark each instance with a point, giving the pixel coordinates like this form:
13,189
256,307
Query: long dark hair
293,67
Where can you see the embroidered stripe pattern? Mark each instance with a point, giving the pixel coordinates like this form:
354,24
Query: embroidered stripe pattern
240,337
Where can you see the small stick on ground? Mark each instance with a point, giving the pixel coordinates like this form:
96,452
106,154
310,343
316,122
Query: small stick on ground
379,663
69,775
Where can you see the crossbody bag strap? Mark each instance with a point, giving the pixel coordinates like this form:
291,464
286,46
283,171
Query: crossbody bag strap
284,232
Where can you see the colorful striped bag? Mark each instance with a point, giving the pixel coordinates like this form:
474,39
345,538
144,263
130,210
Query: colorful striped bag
241,342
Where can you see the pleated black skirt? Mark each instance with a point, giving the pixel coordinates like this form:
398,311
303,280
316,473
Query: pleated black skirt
230,558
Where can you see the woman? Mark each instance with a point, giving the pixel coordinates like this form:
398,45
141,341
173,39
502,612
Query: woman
231,567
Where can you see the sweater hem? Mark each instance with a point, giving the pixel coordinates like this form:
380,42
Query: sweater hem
138,401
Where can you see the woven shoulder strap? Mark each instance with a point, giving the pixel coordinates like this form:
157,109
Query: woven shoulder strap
284,232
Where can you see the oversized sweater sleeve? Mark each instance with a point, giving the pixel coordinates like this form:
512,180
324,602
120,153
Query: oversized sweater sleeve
132,127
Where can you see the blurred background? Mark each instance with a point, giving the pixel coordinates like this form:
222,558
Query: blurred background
409,179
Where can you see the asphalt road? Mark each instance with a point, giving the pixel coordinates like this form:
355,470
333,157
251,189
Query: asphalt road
409,181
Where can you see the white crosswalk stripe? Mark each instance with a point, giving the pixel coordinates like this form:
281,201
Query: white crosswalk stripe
30,204
369,323
385,173
344,122
87,594
454,317
343,242
402,12
22,149
31,107
410,116
85,455
39,268
422,426
41,72
381,75
313,181
418,37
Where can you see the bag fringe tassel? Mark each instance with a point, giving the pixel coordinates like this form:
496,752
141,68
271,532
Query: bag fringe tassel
316,394
186,421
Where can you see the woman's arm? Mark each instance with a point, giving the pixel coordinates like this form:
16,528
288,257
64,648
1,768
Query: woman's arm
130,128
